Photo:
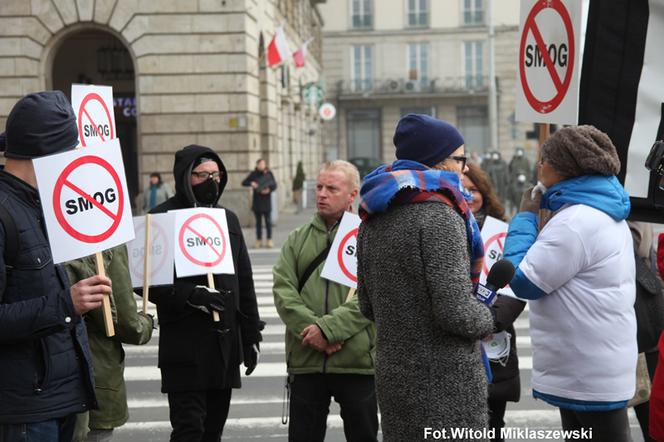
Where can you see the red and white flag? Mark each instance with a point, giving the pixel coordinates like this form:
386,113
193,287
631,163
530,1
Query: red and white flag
301,54
278,50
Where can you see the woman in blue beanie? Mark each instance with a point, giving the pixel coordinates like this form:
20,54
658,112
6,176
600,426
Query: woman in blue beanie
429,371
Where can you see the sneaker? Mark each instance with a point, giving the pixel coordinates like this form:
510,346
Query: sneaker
270,244
258,244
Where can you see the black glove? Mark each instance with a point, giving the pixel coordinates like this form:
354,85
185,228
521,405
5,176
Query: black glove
206,299
251,355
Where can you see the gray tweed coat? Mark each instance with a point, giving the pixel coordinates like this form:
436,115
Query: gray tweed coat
413,281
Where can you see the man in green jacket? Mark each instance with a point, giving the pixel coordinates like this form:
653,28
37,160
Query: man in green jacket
329,343
131,327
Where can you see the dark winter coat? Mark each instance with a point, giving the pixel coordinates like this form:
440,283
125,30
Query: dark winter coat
414,282
44,355
506,385
196,353
261,203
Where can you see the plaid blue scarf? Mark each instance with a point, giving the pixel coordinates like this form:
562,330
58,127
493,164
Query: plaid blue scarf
415,183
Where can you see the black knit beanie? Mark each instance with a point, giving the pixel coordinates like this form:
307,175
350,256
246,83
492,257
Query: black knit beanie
40,124
581,150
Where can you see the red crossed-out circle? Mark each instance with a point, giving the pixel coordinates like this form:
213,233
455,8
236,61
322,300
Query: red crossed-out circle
562,87
82,111
138,267
187,226
342,245
64,181
495,238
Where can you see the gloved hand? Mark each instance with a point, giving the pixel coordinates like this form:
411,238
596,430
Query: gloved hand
528,203
251,356
206,299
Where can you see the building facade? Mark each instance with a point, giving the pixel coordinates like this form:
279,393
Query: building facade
385,58
183,72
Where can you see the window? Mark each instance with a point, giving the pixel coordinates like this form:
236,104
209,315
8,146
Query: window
364,137
418,13
474,64
473,12
362,67
362,14
418,63
474,125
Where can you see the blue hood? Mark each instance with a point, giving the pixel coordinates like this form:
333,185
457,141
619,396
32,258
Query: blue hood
603,193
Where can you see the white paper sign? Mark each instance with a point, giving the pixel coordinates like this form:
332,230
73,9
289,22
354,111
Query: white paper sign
202,243
341,263
95,117
85,200
494,232
549,61
161,250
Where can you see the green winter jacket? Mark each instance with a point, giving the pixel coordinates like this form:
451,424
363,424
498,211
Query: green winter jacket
321,302
131,327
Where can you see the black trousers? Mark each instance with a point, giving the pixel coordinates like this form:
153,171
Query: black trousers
310,405
497,418
268,225
607,426
198,416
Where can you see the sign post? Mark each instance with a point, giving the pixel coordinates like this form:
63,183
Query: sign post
146,262
549,61
203,244
341,263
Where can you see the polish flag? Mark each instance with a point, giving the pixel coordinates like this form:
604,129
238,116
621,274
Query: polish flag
301,54
278,50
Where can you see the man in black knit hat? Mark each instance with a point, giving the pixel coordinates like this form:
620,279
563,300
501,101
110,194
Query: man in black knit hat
44,355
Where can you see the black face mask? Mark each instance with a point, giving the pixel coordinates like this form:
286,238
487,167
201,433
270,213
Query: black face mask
206,192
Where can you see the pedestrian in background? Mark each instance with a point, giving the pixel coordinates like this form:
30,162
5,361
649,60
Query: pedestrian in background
263,184
156,192
506,385
419,253
578,271
329,343
200,359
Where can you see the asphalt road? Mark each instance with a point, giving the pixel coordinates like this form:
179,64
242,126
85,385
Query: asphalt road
256,409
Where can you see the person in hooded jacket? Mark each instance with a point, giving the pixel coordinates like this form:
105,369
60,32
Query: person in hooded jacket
578,272
199,358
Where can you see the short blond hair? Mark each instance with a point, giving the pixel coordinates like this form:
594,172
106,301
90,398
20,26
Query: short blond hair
348,169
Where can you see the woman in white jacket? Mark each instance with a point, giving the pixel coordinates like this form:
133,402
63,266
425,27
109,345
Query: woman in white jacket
578,272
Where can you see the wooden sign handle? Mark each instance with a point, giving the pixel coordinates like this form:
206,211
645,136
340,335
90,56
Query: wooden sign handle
215,314
351,293
146,264
106,302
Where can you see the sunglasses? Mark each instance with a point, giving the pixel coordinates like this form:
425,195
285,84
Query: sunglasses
461,159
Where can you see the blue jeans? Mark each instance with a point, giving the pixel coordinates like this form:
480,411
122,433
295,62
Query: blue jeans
54,430
268,225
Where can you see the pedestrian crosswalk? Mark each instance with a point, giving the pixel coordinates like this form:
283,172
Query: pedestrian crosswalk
256,409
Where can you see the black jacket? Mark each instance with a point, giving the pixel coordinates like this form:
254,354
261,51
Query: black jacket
196,353
506,385
261,203
45,365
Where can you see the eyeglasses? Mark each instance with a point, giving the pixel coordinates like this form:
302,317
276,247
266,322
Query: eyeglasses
207,175
461,159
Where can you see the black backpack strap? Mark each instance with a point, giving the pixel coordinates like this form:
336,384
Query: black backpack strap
313,266
11,235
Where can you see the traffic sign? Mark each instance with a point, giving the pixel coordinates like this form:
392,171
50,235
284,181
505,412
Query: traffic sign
161,250
494,232
549,61
202,243
327,111
86,202
341,263
95,117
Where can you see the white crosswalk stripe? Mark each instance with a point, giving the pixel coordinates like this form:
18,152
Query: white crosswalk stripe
256,408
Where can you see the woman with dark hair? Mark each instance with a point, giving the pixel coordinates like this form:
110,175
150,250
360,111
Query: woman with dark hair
156,192
506,385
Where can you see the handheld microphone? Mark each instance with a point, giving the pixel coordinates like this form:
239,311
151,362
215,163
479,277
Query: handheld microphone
499,276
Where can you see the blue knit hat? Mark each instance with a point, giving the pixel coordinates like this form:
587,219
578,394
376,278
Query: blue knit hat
425,139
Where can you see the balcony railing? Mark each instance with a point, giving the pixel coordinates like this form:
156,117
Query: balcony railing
470,84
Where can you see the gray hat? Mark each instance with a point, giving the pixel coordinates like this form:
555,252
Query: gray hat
581,150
